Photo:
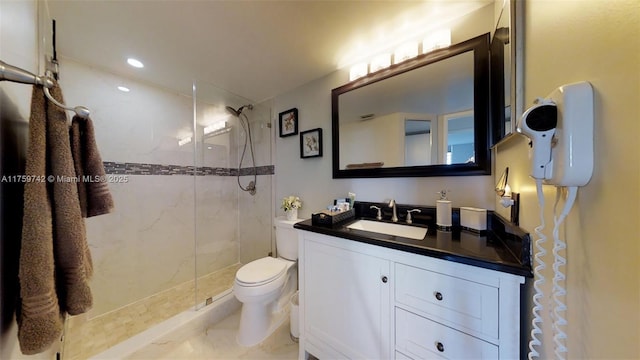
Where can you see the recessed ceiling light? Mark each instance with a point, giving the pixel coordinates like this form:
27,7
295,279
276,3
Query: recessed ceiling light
123,89
135,63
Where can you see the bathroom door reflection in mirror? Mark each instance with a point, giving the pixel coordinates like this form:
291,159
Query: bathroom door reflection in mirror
458,134
421,140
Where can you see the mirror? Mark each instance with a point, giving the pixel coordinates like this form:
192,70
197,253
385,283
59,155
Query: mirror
428,116
506,70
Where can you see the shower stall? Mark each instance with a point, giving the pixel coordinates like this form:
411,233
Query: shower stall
190,172
182,225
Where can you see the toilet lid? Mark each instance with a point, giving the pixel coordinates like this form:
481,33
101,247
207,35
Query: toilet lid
261,271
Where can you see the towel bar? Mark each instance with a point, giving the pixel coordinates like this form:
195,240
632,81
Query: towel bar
16,74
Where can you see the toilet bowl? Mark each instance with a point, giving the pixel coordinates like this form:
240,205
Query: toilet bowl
264,287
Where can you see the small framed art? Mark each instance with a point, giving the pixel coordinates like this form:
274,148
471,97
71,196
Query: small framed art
289,122
311,143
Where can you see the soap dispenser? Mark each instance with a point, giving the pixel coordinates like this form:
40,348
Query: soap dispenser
443,211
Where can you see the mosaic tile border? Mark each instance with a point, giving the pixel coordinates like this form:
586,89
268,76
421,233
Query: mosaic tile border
126,168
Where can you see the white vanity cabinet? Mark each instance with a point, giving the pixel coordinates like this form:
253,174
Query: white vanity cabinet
346,301
362,301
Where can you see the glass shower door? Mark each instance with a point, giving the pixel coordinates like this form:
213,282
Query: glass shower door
232,225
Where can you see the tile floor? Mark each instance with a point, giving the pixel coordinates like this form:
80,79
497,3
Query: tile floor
218,342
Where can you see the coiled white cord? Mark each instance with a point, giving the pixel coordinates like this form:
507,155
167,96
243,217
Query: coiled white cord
536,332
559,292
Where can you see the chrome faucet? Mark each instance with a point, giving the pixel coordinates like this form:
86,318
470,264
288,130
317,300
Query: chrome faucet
392,204
409,219
379,215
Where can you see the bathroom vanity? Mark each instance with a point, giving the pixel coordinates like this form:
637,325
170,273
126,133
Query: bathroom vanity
369,295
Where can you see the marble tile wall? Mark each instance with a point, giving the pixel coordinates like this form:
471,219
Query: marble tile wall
146,244
255,221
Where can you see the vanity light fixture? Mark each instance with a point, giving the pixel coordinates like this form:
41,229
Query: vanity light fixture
123,88
380,62
405,52
437,40
184,141
358,71
135,63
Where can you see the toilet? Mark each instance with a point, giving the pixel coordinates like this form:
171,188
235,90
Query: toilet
264,287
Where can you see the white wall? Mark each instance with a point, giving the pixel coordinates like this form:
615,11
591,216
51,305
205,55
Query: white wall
596,41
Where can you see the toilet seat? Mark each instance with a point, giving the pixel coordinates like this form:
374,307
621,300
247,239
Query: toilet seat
261,271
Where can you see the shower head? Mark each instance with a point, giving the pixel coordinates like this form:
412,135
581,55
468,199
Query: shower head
235,112
232,111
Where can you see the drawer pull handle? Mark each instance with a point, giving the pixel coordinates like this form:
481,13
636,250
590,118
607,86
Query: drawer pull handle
440,346
384,279
438,296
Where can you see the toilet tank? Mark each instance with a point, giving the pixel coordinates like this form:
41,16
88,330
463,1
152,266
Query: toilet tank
286,238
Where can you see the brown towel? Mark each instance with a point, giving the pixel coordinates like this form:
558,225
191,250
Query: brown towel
55,262
73,260
39,319
95,198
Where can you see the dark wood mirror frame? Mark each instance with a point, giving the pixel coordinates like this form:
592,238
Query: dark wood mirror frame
481,104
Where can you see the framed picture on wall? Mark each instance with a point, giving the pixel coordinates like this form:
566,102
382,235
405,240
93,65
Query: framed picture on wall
289,122
311,143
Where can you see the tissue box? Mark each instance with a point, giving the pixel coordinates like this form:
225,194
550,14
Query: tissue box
473,218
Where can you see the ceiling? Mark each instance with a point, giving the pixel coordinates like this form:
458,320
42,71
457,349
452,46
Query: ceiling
255,49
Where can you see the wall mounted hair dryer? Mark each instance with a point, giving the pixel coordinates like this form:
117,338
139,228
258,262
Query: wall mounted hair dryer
539,124
560,128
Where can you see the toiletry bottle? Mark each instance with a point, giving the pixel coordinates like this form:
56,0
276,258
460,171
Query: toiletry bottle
443,211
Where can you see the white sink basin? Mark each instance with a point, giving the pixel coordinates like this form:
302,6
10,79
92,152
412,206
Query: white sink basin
411,232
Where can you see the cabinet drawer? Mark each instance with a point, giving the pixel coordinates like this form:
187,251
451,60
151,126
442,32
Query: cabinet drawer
401,356
421,338
465,305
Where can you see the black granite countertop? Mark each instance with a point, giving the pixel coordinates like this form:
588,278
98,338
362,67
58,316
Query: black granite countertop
503,247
